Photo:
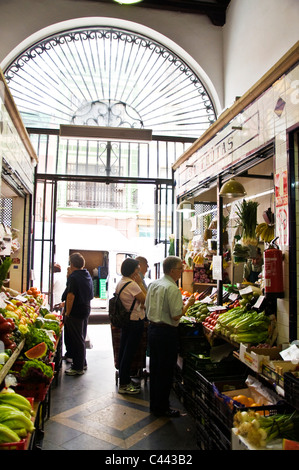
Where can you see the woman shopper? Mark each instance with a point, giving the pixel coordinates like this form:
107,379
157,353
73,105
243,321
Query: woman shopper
131,334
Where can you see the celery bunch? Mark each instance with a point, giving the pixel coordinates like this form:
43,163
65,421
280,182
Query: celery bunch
242,326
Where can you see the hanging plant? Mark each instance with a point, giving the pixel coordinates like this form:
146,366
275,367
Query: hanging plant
247,221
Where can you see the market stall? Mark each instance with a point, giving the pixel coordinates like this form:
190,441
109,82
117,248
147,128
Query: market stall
236,247
31,337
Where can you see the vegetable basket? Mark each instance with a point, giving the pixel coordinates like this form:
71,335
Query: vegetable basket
30,388
36,390
226,407
21,445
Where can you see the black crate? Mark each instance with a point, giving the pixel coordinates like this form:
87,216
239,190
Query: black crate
218,372
192,339
202,437
191,330
225,407
192,344
220,440
291,389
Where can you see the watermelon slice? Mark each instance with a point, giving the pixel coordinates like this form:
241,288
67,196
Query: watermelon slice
37,351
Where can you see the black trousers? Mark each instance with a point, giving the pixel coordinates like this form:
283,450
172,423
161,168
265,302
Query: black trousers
130,339
74,337
163,350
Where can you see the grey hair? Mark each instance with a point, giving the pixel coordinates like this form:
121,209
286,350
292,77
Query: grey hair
171,262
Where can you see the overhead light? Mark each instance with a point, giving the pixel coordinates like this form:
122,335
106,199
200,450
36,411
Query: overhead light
105,133
232,188
127,2
185,207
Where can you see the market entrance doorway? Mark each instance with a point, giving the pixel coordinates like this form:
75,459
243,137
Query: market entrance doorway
106,222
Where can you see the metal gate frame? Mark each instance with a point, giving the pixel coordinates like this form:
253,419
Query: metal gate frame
163,206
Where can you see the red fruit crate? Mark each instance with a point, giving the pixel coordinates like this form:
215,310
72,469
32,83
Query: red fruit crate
21,445
36,390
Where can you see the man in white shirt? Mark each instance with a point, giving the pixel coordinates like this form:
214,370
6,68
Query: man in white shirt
164,307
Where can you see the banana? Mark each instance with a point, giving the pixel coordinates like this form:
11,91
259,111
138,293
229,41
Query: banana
269,234
8,435
265,232
16,400
260,227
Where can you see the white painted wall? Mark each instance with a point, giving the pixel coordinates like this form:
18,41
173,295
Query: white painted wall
231,59
193,35
256,35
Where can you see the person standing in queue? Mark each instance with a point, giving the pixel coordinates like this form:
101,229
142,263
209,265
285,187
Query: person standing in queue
143,267
132,333
78,295
164,308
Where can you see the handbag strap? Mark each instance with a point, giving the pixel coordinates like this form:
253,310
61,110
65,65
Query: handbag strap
132,306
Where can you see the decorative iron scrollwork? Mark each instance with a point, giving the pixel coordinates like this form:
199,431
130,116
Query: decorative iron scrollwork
109,76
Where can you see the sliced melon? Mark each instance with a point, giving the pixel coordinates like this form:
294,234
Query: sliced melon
50,316
37,351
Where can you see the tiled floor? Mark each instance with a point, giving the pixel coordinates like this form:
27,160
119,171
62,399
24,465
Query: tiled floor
87,413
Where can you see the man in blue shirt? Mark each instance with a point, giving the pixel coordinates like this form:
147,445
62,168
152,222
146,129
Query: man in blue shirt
79,293
164,308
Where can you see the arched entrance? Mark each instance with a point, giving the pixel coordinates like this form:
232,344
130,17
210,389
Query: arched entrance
105,76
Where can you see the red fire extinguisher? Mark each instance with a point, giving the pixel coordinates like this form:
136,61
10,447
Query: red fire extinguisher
273,271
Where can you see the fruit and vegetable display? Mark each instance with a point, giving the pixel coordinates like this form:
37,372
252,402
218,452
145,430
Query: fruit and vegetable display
31,332
259,430
238,321
25,317
198,311
242,326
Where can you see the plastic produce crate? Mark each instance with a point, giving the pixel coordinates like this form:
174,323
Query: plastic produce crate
192,339
291,388
102,287
21,445
226,407
208,372
37,390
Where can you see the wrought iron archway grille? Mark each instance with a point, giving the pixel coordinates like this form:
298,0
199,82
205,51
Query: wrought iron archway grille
109,77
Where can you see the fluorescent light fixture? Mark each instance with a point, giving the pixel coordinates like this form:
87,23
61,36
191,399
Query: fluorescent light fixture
127,2
114,134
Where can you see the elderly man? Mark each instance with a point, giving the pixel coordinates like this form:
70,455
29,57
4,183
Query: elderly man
164,307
